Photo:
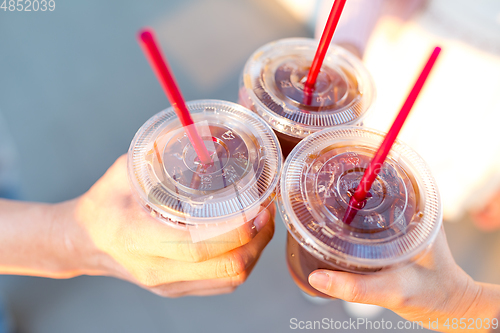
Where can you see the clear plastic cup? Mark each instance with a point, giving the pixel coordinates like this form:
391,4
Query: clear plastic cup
272,85
172,184
401,218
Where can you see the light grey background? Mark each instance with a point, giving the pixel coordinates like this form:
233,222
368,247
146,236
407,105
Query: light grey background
75,87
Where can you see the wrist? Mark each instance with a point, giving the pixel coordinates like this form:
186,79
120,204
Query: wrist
485,303
32,237
61,242
74,249
466,298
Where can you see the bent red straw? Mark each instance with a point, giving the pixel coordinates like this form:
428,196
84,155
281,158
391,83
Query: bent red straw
167,81
357,200
324,43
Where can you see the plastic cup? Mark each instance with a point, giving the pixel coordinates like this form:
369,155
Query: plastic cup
401,218
272,85
172,184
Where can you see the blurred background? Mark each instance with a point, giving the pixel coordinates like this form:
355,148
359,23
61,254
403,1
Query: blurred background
74,89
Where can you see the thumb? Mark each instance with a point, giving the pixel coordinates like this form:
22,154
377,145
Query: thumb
368,289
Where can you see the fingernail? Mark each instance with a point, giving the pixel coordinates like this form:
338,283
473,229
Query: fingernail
261,220
320,281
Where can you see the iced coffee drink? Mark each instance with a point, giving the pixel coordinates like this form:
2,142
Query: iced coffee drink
272,85
400,218
207,200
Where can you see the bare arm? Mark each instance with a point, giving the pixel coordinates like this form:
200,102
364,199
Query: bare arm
106,232
34,240
433,288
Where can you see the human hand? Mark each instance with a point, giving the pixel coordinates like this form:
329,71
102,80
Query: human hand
487,218
432,287
352,48
113,235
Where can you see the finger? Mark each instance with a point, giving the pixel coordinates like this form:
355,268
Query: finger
369,289
207,292
185,287
150,237
231,264
272,209
212,292
182,288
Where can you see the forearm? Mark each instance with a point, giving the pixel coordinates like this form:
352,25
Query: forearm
34,240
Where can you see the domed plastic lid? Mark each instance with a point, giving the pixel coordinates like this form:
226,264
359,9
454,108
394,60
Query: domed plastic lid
170,181
402,215
274,78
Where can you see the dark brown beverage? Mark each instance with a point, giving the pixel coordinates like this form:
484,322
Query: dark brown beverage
401,216
205,200
386,198
301,263
273,81
287,142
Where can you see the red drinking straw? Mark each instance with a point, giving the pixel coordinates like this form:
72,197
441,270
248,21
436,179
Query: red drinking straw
167,81
324,43
357,201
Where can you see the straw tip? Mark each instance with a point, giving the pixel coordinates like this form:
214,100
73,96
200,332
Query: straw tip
145,34
437,50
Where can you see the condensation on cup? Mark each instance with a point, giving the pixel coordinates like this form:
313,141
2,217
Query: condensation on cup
172,184
399,222
272,85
